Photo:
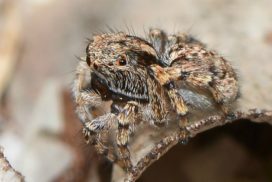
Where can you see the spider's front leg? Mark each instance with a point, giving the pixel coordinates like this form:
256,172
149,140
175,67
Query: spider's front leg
126,119
176,99
85,99
93,131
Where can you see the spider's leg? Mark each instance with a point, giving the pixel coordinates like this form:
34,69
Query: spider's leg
224,91
176,99
85,99
158,39
181,109
183,38
93,131
92,127
126,118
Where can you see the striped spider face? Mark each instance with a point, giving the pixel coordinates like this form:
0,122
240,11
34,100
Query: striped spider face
118,66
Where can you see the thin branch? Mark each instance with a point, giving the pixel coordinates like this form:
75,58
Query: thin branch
255,115
7,173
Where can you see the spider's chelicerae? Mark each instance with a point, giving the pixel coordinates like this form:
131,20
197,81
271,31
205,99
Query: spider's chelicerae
156,81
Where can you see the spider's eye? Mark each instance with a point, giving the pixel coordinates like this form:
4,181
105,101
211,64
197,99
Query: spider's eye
121,62
88,60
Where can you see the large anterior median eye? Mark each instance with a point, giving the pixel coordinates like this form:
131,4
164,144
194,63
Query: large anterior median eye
121,61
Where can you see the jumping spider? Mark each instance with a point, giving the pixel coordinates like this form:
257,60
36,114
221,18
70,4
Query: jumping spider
150,81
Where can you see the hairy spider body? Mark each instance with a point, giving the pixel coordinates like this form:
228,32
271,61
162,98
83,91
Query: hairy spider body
156,81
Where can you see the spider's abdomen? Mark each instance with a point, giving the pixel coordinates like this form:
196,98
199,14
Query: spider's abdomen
201,69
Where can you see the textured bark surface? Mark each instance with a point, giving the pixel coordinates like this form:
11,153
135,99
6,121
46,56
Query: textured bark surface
7,173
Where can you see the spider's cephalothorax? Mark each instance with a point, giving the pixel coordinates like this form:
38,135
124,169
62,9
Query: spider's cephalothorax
152,81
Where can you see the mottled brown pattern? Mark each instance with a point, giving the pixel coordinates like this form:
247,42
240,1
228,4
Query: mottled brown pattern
143,80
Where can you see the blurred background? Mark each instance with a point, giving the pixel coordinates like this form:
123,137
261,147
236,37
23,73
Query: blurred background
39,43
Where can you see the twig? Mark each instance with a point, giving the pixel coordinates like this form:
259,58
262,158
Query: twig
168,142
7,173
